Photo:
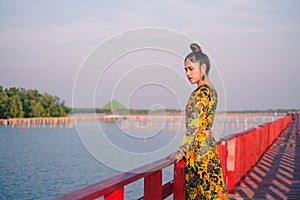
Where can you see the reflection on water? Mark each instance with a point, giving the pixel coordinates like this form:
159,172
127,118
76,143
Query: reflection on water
138,125
44,162
224,124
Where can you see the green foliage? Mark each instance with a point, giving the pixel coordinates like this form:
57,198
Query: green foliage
18,103
14,107
114,107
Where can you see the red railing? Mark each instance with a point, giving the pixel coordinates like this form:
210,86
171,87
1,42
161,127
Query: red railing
239,152
246,148
113,188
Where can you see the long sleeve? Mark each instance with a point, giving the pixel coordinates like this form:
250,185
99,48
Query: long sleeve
202,168
198,116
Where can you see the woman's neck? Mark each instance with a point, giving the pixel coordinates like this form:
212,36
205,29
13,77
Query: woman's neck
205,81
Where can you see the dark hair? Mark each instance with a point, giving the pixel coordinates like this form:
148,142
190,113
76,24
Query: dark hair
198,56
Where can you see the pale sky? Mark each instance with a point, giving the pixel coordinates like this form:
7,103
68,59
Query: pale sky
254,44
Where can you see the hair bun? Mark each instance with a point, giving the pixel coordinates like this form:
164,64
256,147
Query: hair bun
195,48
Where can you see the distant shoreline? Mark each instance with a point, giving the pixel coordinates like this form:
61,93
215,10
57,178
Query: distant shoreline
171,110
70,120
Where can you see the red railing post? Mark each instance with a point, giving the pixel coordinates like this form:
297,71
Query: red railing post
262,136
258,142
118,194
267,137
278,127
243,154
248,151
153,186
179,181
253,148
271,133
222,145
276,131
237,163
231,164
261,140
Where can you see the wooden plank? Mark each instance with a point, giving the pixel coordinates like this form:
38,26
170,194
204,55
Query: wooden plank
153,186
179,181
276,175
167,189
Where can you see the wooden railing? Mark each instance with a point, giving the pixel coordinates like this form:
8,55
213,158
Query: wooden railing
113,188
246,148
239,152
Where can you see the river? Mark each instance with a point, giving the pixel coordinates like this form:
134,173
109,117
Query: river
44,162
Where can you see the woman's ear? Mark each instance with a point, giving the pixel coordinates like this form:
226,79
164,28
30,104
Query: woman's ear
202,71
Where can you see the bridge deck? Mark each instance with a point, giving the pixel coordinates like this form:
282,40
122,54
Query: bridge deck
277,173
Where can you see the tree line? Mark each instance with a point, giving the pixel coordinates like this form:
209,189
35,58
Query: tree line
19,103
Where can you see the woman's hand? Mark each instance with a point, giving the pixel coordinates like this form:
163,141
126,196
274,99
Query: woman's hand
176,155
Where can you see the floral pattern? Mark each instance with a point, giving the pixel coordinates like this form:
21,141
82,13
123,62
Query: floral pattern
203,172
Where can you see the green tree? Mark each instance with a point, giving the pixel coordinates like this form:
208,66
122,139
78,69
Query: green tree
24,96
3,104
12,91
16,102
63,110
15,107
49,105
38,110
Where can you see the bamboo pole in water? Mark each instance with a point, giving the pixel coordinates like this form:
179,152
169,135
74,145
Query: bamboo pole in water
141,121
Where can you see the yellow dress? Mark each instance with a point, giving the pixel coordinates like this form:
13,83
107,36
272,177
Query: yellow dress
203,172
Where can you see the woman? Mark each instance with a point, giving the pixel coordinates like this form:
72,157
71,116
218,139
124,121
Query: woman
203,172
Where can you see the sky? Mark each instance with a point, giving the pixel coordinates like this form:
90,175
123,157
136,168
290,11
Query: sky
254,46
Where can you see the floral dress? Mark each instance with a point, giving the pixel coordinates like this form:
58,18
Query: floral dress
203,172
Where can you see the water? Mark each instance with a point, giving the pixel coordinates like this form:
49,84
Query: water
43,163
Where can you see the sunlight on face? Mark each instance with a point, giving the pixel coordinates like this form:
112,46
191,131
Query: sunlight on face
192,71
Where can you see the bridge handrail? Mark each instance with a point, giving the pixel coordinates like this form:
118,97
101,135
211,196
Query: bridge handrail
249,145
246,148
113,188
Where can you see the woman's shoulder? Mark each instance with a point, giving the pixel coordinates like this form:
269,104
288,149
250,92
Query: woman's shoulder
205,89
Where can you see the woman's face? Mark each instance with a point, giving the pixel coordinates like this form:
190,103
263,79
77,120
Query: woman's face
192,71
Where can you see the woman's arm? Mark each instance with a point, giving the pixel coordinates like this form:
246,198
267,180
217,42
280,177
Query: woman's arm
176,156
196,116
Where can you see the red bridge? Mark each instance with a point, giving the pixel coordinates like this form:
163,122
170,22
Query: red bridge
262,163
